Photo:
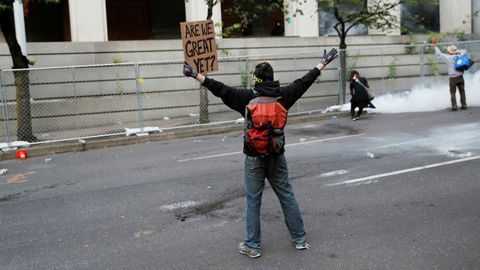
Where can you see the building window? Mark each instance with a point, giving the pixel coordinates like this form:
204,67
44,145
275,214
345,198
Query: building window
253,23
144,19
45,22
420,16
327,20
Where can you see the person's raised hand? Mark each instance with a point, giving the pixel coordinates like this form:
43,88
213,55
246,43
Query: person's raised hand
329,57
188,71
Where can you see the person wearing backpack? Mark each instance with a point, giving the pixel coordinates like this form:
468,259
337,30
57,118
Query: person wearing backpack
455,76
265,110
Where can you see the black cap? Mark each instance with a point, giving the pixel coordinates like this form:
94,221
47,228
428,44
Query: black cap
263,72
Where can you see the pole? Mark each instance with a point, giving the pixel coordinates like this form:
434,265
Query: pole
139,97
6,124
422,61
20,26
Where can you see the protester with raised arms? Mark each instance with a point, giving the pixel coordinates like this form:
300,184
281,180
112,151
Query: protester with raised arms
455,76
265,111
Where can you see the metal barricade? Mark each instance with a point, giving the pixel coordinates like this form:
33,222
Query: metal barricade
42,105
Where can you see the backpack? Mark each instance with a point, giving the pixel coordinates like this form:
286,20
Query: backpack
462,62
265,119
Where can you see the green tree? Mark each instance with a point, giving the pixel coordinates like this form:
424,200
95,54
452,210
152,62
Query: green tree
351,13
20,61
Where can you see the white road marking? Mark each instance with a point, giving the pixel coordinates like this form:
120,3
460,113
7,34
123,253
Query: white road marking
402,143
326,140
288,145
333,173
212,156
368,178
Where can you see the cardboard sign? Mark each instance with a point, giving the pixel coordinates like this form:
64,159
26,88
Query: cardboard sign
199,46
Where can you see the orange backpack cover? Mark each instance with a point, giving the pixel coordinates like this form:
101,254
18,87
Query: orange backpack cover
265,118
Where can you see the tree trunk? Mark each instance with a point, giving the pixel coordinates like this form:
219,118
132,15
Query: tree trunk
204,105
204,117
210,9
22,82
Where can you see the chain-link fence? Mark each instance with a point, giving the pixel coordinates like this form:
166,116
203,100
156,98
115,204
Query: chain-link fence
42,105
398,68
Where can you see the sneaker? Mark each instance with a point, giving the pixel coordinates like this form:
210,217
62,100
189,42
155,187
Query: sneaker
463,108
302,245
354,118
454,108
250,252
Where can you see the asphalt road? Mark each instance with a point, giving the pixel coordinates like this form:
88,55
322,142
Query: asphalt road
391,191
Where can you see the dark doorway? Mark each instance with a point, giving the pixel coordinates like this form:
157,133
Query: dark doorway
144,19
45,22
165,18
127,20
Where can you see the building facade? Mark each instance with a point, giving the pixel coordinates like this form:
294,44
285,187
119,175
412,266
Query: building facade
111,20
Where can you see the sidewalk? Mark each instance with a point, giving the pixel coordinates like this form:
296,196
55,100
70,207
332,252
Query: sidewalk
171,134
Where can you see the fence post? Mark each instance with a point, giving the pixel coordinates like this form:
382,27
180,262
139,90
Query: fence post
139,98
248,73
77,117
6,125
342,76
299,102
339,70
422,72
384,83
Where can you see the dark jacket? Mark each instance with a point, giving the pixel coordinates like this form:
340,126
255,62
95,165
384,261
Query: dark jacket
238,98
359,93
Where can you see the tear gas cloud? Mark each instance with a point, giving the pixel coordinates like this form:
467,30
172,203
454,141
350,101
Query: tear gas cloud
428,97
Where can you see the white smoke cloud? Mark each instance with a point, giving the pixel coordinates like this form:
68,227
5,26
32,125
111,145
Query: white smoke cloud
423,98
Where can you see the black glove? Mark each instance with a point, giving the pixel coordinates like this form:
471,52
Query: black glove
328,57
188,71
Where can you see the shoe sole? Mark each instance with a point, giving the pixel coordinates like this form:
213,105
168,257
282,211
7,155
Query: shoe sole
246,253
307,246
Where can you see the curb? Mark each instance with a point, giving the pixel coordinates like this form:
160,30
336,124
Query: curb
184,132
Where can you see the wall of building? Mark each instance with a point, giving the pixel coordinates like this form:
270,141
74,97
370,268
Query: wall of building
303,24
456,16
476,18
89,53
88,20
106,95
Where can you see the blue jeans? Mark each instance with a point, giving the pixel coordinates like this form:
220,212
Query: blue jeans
275,170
